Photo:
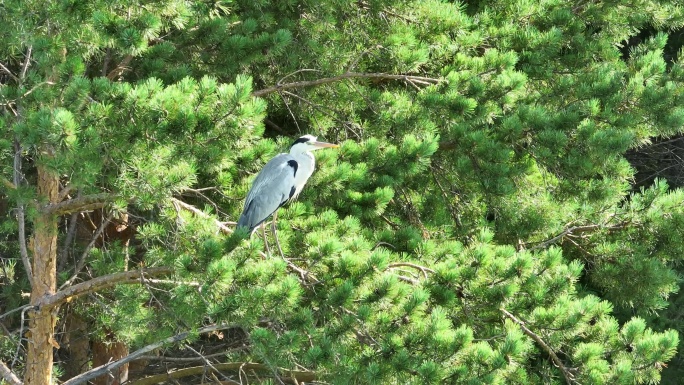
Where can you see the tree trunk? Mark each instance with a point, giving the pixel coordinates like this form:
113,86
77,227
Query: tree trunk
42,321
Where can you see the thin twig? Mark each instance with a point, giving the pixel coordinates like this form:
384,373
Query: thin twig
295,73
21,308
567,373
206,361
71,233
287,105
82,261
21,333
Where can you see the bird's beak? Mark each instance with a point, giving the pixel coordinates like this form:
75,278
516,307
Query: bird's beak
324,145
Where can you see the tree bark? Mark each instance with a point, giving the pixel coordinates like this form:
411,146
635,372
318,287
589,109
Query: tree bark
40,336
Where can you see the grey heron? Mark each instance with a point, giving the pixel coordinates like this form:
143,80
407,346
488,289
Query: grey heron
280,181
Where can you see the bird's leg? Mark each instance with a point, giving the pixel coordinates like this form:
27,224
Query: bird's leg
275,233
263,234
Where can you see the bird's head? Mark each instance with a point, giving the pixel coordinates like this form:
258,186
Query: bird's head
308,143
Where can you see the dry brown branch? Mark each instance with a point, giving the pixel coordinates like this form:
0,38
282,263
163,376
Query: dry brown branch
9,376
567,372
422,80
100,283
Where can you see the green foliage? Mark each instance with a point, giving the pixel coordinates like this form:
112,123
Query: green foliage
490,181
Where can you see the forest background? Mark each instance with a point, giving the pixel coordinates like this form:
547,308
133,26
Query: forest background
505,206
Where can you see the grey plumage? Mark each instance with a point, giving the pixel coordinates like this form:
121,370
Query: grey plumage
277,178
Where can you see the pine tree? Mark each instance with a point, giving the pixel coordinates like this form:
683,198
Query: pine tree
479,223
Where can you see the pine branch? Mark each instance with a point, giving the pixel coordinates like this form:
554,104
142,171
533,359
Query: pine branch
348,75
84,203
107,368
286,375
567,372
103,282
9,376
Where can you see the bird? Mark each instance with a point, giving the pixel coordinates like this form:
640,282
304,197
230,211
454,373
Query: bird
280,181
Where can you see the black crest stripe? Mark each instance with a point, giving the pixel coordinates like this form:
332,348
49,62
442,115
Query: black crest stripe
303,139
293,163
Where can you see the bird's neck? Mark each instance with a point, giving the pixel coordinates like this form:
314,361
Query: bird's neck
305,161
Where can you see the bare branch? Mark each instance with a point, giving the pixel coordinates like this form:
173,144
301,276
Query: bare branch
27,61
191,359
21,219
21,308
107,368
202,214
572,231
286,375
84,255
84,203
63,253
8,72
206,361
347,75
422,269
103,282
567,372
9,376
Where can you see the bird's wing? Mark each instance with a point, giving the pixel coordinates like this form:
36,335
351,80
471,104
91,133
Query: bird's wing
271,189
